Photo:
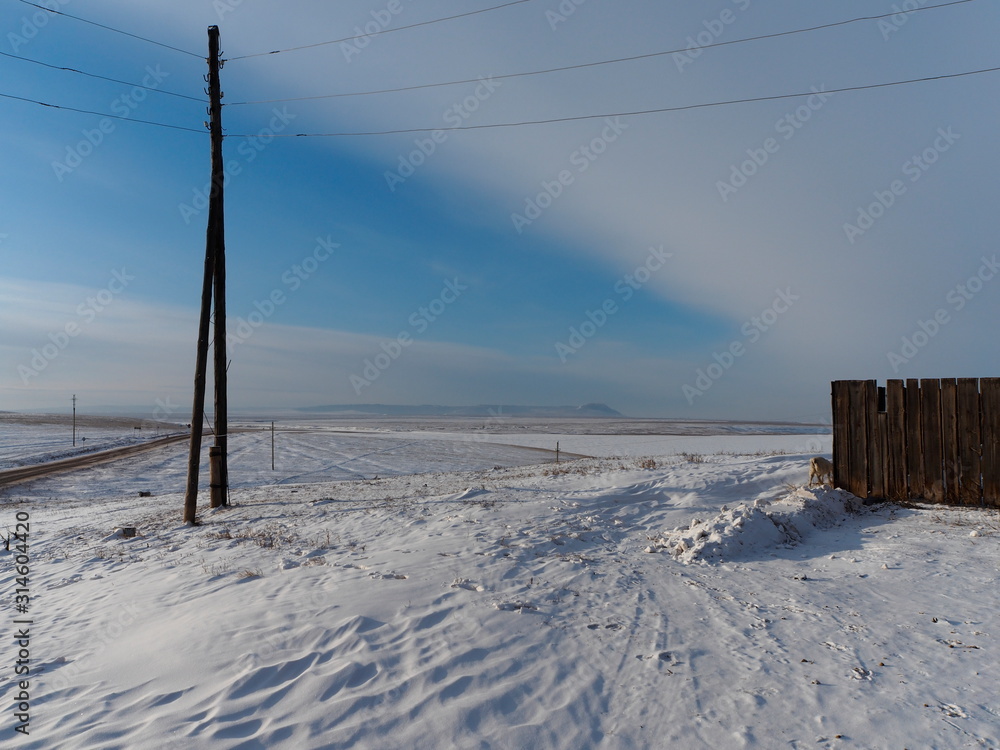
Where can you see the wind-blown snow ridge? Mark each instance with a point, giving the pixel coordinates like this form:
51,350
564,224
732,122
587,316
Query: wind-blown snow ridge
760,525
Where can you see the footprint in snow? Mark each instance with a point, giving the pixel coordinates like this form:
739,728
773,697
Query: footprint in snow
662,661
608,626
956,712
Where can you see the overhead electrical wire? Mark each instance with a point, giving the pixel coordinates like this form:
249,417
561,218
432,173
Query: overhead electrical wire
102,78
522,123
599,62
102,114
377,33
659,110
112,28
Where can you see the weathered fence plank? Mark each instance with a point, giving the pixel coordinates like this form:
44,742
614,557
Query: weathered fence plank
840,397
858,441
990,399
949,439
914,444
970,442
876,485
880,481
895,407
930,428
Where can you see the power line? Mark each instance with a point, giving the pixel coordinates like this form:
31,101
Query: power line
377,33
660,110
99,114
111,28
100,77
600,62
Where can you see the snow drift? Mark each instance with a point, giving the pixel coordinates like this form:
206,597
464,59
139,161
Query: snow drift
754,527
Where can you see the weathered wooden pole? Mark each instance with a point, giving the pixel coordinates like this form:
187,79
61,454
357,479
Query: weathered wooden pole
214,480
212,237
198,408
217,226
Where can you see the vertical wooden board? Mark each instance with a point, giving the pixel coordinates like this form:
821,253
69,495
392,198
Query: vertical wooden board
895,407
873,439
882,481
949,439
990,426
840,397
858,445
875,465
914,449
970,444
930,436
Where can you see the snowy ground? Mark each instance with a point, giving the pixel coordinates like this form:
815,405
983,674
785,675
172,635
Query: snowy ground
695,601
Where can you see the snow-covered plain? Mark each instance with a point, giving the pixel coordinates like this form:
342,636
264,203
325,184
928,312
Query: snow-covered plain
24,441
477,595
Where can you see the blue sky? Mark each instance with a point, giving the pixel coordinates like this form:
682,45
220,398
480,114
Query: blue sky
719,262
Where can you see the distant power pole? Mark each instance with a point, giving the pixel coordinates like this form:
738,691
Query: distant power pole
74,419
213,281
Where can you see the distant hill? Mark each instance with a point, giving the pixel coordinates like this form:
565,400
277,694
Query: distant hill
483,410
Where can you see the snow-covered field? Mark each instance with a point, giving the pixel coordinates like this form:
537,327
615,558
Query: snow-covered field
472,597
24,442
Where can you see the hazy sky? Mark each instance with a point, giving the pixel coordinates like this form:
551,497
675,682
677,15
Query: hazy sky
719,261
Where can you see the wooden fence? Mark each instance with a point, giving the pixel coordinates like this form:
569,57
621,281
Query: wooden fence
932,440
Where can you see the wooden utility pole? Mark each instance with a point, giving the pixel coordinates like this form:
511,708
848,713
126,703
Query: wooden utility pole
217,212
74,419
214,248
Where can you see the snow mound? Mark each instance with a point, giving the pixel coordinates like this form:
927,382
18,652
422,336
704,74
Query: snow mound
750,528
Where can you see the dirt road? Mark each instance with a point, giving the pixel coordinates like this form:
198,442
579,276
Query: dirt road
36,471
